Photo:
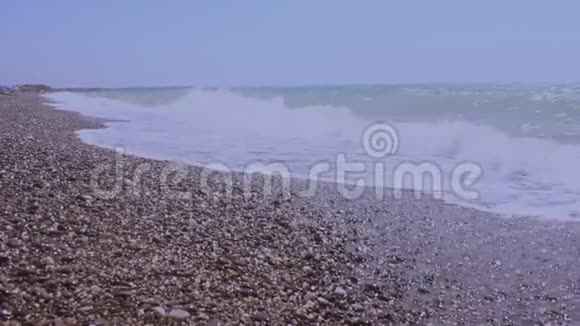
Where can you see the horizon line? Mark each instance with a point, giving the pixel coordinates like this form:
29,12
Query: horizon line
312,85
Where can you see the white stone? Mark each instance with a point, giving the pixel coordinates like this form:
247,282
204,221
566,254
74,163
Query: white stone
179,314
340,291
159,311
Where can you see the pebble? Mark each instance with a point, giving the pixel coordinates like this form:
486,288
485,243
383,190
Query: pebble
178,314
339,291
159,311
42,293
49,261
215,322
260,316
15,243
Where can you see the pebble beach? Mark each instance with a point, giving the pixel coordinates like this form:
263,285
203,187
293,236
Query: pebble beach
84,244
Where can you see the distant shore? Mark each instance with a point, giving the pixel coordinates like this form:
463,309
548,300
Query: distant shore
146,256
42,88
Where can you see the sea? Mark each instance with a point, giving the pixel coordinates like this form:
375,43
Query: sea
512,149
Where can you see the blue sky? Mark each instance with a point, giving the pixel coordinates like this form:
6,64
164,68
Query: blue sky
148,43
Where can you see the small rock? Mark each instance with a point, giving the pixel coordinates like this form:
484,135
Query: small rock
310,296
159,311
15,242
43,293
86,308
323,301
100,322
356,321
178,314
12,323
49,261
308,255
422,291
5,312
309,305
338,291
371,287
260,316
215,322
203,316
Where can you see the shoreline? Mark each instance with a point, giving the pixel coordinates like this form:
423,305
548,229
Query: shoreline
448,197
67,254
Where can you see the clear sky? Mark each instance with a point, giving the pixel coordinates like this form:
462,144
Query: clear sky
216,42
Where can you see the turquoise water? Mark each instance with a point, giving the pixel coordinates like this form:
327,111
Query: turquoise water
523,139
